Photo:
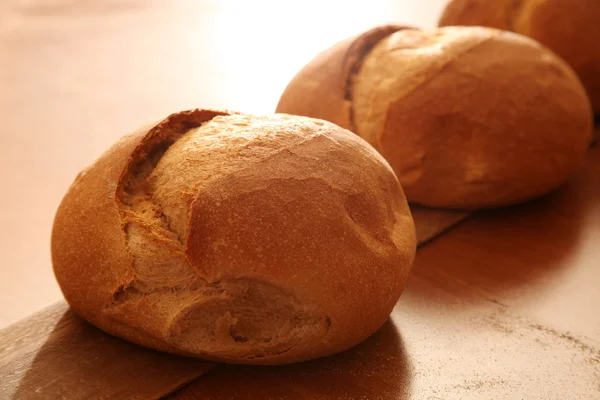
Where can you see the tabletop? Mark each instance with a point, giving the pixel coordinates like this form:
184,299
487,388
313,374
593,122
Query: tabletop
502,306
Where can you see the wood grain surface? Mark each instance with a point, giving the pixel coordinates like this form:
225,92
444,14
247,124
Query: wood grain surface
505,306
55,355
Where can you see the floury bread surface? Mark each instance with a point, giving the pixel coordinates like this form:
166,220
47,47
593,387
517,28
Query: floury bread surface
237,238
467,117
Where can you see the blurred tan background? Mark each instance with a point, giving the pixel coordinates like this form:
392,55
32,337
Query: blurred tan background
75,75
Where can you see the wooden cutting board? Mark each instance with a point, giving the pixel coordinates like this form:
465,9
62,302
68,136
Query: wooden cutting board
54,354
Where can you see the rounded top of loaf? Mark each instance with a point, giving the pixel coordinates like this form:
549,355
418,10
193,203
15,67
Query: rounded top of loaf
472,117
569,28
237,238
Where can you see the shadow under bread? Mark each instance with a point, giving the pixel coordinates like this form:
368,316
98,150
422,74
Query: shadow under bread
379,368
487,265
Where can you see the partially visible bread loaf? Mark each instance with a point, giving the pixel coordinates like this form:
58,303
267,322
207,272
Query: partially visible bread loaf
322,89
570,28
467,117
237,238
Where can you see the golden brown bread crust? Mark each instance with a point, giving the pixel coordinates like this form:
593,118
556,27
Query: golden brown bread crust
467,117
569,28
322,88
237,238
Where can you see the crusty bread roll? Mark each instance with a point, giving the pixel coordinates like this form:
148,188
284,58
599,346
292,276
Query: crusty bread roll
237,238
571,28
467,117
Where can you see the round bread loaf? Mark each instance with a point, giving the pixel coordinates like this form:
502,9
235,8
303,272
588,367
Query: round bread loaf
570,28
237,238
467,117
